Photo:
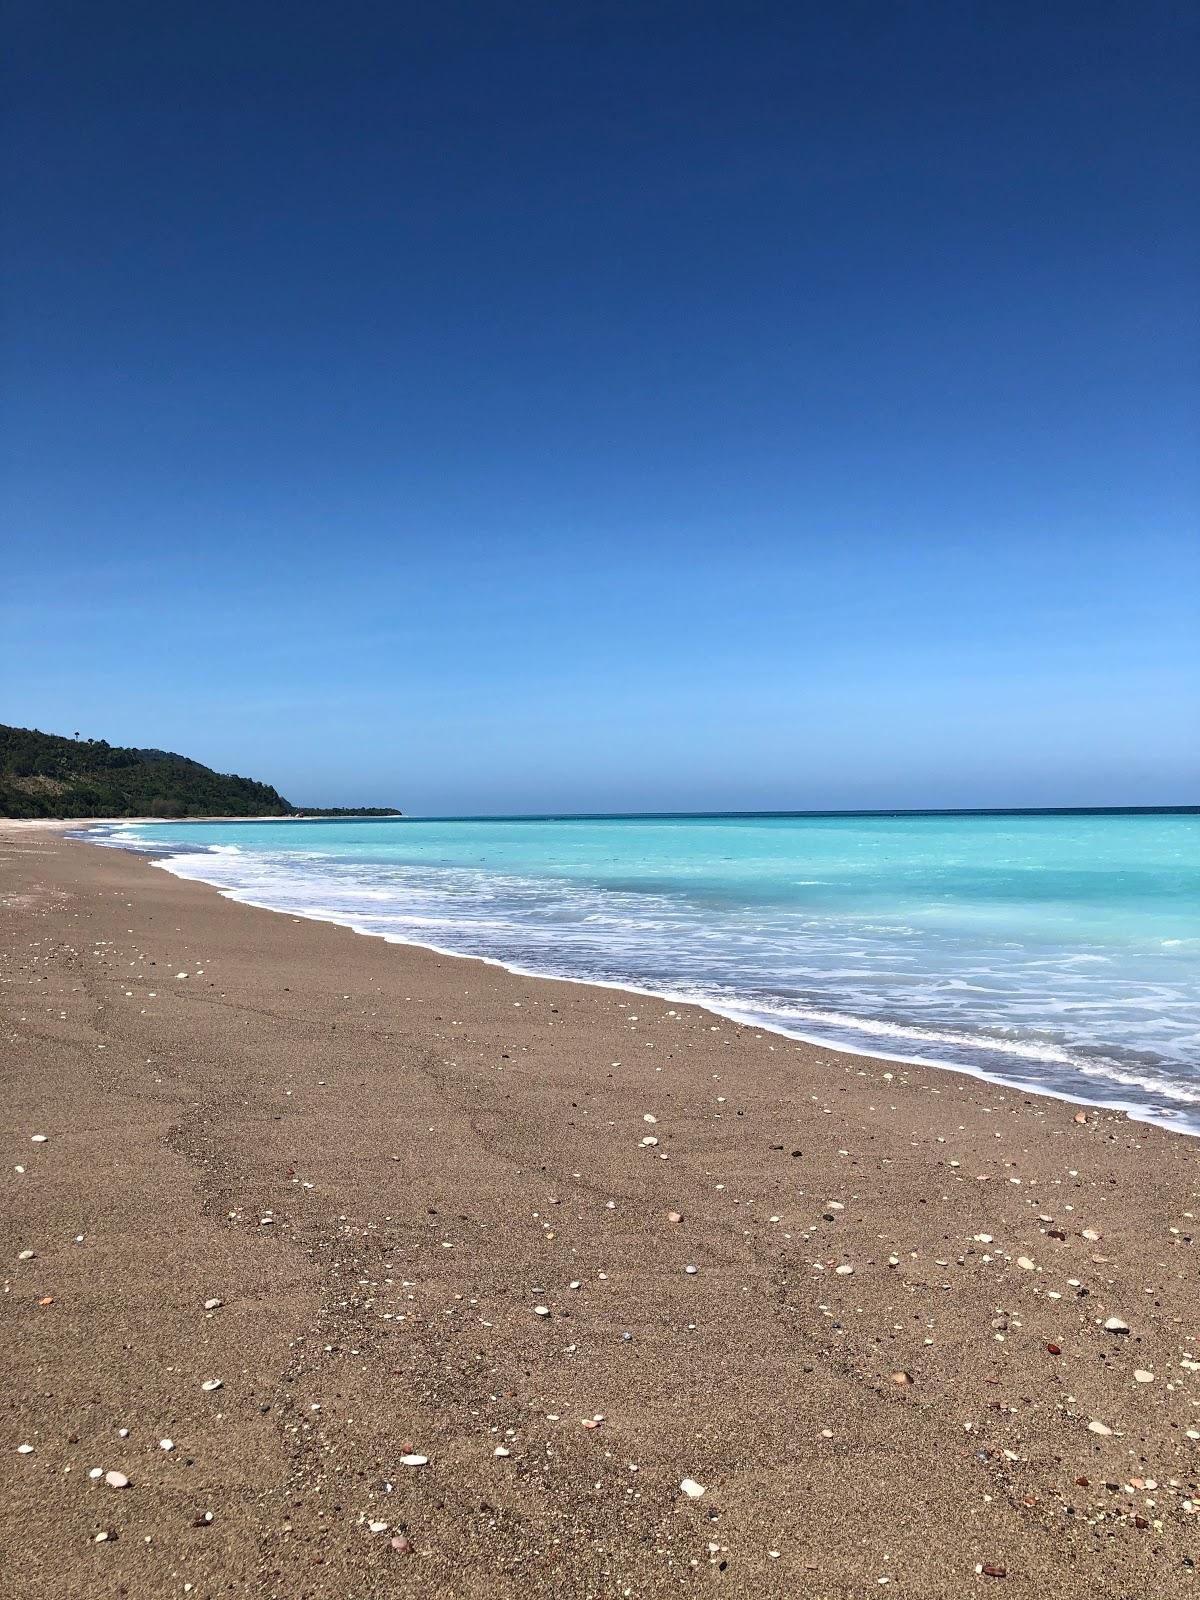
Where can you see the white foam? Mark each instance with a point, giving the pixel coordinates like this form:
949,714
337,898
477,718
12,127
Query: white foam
1038,1021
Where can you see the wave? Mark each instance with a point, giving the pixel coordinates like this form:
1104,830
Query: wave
1050,1022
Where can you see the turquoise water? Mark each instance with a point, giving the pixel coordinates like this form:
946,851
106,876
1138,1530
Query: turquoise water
1059,953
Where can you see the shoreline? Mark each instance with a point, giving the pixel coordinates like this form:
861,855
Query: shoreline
159,855
381,1162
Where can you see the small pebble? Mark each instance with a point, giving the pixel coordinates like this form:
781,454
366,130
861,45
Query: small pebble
541,1311
1025,1264
691,1488
1115,1325
1142,1376
1098,1427
210,1384
414,1461
116,1480
166,1444
24,1449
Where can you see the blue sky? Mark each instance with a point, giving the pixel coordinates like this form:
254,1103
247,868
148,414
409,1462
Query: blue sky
522,407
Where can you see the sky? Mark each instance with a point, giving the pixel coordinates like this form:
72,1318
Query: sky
485,408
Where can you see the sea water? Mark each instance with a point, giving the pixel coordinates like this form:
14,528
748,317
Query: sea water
1054,952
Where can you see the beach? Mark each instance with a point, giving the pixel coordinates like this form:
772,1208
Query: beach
380,1272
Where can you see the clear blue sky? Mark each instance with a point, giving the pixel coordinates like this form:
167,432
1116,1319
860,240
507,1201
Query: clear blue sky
529,406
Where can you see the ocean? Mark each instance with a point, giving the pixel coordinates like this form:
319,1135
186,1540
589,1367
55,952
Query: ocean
1052,952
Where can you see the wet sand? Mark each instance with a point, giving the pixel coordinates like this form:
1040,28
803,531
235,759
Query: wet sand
382,1162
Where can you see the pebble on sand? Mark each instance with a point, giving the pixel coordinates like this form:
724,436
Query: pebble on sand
38,1138
1116,1325
1098,1427
541,1311
1025,1264
674,1216
210,1384
414,1461
691,1271
648,1141
844,1270
691,1488
213,1304
1142,1376
116,1480
26,1255
166,1444
24,1449
401,1544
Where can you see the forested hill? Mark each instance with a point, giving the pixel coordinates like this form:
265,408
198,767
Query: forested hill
44,775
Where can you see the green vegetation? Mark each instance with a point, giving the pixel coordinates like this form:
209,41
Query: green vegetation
43,775
347,811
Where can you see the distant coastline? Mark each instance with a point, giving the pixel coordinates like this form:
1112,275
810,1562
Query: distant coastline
52,776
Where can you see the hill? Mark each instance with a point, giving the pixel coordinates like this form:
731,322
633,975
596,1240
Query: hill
45,775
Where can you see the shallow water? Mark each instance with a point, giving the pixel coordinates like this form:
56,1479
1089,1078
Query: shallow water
1055,952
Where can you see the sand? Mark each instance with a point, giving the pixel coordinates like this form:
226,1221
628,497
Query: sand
885,1371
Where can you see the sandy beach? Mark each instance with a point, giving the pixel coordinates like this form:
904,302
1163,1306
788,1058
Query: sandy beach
337,1268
